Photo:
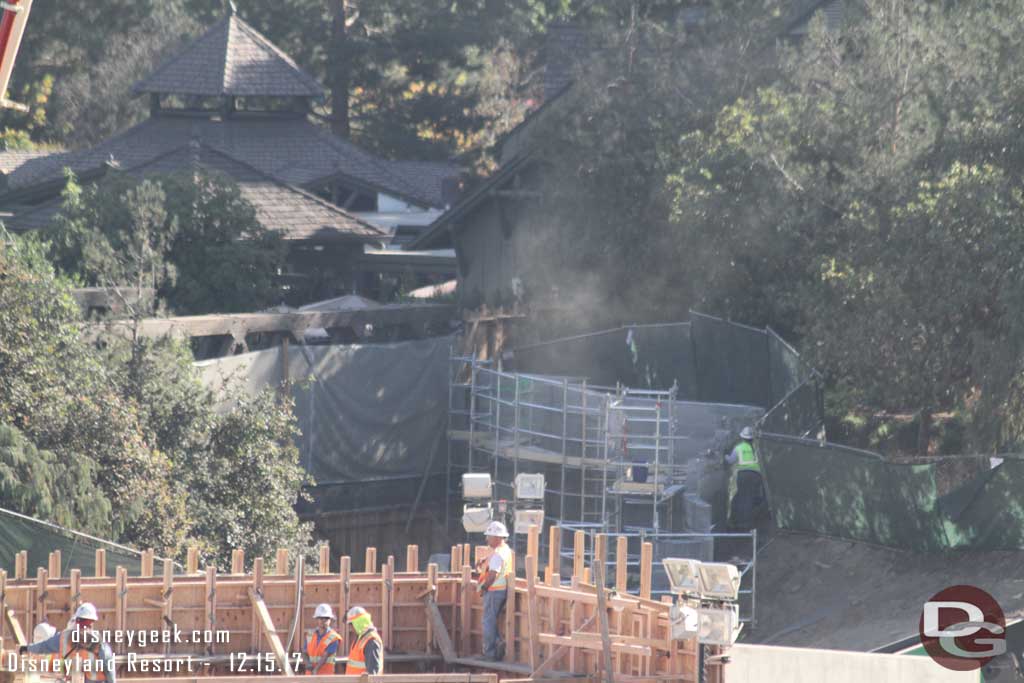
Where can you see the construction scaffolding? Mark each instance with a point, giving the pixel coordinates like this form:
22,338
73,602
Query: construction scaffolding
615,460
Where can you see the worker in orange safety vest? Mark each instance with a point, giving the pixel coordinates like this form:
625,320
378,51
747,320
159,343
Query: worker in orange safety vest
321,643
367,653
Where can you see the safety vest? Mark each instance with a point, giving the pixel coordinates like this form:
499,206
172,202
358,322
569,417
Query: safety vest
505,553
746,458
84,657
357,657
317,659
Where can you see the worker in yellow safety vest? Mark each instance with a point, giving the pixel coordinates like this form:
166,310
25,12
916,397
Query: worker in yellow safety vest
321,643
80,648
367,653
496,571
746,488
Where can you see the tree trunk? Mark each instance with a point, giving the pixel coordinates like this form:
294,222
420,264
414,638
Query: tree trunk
924,431
338,68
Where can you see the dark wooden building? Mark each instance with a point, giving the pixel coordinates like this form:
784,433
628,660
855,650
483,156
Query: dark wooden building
233,103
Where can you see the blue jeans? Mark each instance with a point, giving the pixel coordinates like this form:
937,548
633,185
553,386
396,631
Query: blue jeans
494,603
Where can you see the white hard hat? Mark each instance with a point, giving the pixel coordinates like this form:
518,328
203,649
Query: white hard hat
496,529
323,610
747,433
42,632
87,610
355,613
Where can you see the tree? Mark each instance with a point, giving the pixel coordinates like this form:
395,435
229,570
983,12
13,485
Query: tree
192,237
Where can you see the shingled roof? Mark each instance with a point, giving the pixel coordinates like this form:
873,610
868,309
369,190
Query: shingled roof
294,213
292,150
231,59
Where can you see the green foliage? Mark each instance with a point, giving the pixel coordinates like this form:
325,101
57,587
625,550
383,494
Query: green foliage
124,442
191,237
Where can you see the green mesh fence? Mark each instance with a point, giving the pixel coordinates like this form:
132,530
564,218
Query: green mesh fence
844,492
731,362
77,551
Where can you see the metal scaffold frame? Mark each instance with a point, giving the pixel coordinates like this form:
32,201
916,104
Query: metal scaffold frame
608,455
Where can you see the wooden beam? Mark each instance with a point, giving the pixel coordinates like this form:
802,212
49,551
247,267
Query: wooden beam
466,597
21,565
257,588
532,613
387,597
412,558
75,598
281,562
621,563
120,605
559,651
646,556
344,595
168,597
432,594
42,595
586,644
602,616
54,565
510,614
237,561
554,559
324,561
146,563
579,554
192,561
441,637
210,611
270,632
533,541
371,560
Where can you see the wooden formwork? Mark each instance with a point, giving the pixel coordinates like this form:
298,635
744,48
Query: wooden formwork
428,619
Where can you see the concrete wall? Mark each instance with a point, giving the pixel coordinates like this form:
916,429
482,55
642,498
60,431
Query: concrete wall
769,664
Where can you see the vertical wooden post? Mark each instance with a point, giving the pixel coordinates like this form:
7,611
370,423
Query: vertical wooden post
76,591
554,613
466,619
646,555
388,598
300,629
621,563
192,561
371,560
41,601
54,565
281,562
554,550
432,587
146,563
579,554
412,558
602,617
533,541
456,561
21,565
257,586
532,617
168,598
343,601
210,613
121,603
466,554
324,564
510,614
237,561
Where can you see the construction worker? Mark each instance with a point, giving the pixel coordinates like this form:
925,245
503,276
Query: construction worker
321,643
367,653
44,631
80,648
746,492
496,572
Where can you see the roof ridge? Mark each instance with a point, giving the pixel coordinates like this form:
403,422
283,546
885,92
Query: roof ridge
264,43
185,50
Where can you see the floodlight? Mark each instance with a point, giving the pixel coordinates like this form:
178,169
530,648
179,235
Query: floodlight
684,621
476,485
719,625
719,581
530,486
526,518
476,519
683,575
